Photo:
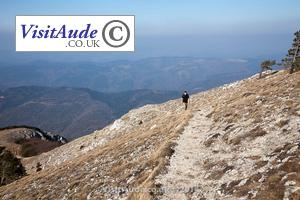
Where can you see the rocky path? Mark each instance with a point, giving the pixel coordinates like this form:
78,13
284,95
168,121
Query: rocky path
180,182
238,150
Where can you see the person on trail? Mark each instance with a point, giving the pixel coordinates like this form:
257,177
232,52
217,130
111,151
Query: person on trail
185,99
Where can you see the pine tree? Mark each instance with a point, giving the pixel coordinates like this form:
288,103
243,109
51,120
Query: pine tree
266,65
11,167
292,59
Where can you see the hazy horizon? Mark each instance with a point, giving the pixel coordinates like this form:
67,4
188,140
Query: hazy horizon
219,29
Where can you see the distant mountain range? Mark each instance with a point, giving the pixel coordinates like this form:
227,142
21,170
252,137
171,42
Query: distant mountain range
71,112
50,95
161,73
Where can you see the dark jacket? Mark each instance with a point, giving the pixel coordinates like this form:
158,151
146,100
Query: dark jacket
185,97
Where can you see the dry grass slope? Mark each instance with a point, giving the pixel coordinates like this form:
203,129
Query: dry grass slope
251,150
137,148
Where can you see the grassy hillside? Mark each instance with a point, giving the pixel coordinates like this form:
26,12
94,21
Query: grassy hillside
238,141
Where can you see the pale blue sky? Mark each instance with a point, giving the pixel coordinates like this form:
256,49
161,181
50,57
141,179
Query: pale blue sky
172,17
209,20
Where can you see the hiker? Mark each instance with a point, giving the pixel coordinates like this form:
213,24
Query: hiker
185,99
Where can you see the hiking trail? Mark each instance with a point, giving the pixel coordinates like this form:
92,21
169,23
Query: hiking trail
184,164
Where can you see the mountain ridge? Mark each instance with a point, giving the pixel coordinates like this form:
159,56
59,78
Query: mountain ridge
27,141
123,75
